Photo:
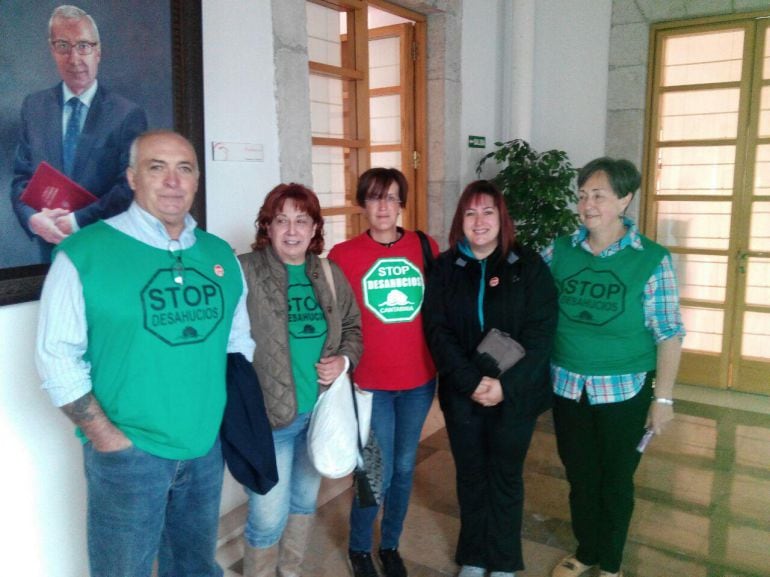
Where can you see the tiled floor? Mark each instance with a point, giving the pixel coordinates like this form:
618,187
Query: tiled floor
702,508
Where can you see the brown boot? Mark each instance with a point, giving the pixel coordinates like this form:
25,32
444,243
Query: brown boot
259,562
293,545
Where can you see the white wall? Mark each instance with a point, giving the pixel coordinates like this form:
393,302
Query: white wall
571,69
42,493
535,70
481,82
239,107
42,496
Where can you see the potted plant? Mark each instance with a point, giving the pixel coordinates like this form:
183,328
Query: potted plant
538,191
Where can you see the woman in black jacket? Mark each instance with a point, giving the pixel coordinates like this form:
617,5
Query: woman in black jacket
486,280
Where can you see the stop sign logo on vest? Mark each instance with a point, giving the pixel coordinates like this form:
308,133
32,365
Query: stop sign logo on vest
393,290
182,314
593,297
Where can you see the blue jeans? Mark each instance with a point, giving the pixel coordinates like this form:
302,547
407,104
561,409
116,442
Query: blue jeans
397,419
296,492
141,506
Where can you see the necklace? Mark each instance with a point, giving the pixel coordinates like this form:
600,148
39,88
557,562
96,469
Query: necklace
399,234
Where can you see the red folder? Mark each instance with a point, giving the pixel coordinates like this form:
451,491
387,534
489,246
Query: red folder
49,188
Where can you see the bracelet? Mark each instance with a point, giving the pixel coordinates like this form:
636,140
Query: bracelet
664,401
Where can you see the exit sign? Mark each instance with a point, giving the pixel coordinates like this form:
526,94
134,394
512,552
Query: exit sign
477,142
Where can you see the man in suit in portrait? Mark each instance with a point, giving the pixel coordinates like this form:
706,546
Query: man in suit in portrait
78,127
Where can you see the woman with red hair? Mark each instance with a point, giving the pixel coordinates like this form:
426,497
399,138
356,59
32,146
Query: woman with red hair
486,280
303,335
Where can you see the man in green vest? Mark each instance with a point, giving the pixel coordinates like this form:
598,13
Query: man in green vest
136,317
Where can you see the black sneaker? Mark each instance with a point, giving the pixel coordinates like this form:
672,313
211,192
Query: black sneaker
392,564
361,564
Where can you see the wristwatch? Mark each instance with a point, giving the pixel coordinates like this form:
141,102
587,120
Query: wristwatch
664,401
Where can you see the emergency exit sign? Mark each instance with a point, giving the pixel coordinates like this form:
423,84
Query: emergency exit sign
477,142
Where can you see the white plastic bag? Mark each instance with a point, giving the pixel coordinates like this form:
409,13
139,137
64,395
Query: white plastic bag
364,404
331,437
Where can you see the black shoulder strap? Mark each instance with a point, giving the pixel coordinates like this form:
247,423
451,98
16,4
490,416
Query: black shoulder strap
427,253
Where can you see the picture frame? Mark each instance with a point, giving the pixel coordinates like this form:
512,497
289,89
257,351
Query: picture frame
20,284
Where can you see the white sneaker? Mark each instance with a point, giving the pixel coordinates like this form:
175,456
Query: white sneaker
471,571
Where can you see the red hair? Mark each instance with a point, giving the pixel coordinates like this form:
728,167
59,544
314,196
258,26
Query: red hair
304,199
507,238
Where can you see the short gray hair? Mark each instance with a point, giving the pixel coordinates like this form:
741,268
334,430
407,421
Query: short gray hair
69,12
623,176
133,152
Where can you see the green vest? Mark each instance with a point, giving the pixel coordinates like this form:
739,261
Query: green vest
601,309
157,349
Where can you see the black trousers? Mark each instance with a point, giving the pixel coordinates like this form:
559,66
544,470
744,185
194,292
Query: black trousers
597,444
489,449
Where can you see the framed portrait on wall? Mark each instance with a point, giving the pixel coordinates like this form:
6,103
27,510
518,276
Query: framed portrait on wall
146,57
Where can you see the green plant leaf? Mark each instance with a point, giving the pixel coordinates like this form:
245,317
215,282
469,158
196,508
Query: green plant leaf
538,189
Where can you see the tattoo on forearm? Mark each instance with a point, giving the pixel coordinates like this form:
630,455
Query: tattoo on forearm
81,410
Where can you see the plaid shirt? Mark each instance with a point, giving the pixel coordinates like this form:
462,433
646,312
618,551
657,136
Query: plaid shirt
661,317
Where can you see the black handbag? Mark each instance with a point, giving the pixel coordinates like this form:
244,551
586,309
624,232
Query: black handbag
367,477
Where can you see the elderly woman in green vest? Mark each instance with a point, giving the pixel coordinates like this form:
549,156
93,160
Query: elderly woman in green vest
615,359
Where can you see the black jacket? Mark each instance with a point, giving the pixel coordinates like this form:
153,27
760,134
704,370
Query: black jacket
247,439
520,299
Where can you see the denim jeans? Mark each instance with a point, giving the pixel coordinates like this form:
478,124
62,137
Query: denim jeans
397,419
296,492
141,506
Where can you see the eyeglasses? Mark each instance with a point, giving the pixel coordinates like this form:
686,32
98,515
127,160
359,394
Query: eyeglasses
84,48
177,268
390,199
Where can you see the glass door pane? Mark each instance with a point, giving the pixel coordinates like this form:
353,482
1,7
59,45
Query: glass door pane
695,170
702,58
390,107
337,79
699,114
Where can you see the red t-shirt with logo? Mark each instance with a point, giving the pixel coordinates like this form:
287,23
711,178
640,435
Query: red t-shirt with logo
389,284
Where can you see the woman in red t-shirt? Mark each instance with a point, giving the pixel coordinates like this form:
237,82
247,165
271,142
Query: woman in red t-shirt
386,269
